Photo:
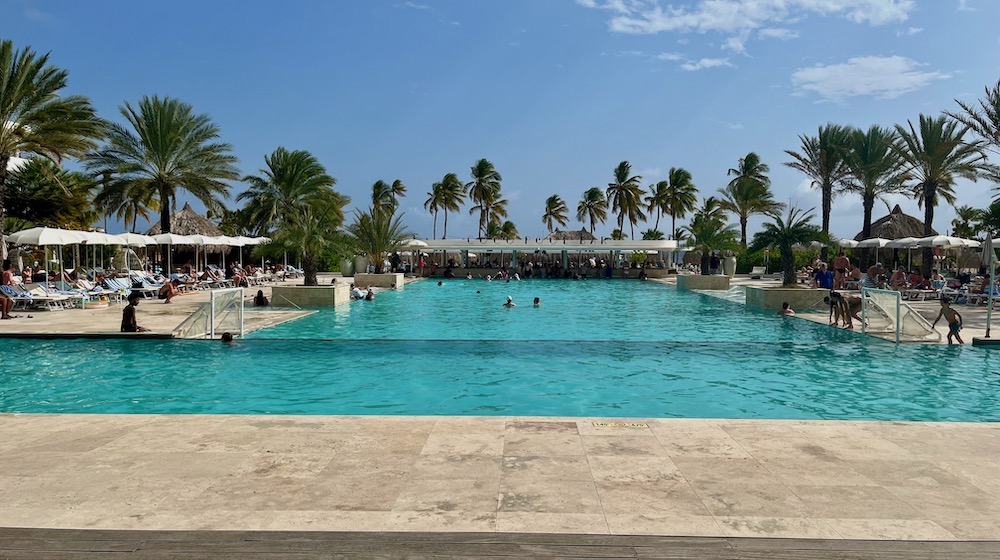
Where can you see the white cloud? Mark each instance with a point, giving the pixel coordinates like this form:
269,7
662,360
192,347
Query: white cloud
963,6
909,32
671,56
740,18
416,6
649,173
704,63
883,77
777,33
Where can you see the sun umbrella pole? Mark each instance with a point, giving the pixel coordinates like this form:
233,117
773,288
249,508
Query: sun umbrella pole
993,283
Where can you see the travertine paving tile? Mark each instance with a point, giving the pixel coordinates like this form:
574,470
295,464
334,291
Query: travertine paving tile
33,464
549,496
536,469
466,425
713,470
536,522
694,441
975,530
450,467
941,503
352,492
658,523
542,444
454,495
251,520
665,497
327,520
460,521
488,443
816,471
623,446
27,517
776,527
890,529
757,500
891,472
633,469
853,502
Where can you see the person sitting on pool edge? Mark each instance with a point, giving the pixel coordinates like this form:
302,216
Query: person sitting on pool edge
129,323
510,302
260,300
785,309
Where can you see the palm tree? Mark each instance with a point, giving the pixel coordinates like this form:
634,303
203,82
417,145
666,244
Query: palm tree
506,230
555,212
40,192
749,192
658,200
446,195
172,149
625,196
936,156
293,191
34,118
682,196
989,219
485,185
593,208
384,195
967,222
398,189
984,121
652,234
708,232
873,169
377,234
795,229
491,206
822,160
127,202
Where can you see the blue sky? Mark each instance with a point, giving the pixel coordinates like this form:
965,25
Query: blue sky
554,92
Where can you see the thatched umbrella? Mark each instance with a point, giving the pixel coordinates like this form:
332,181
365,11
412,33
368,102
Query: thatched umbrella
895,225
582,235
189,222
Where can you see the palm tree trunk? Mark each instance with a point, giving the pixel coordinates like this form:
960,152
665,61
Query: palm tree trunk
704,263
827,203
657,226
868,203
444,234
927,262
673,226
435,232
164,210
4,160
309,270
788,264
743,231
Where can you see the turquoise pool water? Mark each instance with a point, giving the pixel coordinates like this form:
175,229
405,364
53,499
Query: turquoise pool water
431,350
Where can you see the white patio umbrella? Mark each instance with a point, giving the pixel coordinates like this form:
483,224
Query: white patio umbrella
137,240
95,238
231,242
44,237
171,239
872,243
908,243
943,241
847,243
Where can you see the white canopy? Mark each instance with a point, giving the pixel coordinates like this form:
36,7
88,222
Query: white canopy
101,238
876,242
136,239
173,239
903,243
45,236
847,243
946,242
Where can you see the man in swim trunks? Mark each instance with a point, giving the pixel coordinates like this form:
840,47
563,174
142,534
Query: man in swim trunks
841,265
7,302
875,276
954,320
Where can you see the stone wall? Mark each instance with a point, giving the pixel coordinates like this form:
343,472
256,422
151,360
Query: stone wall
311,296
798,299
365,280
699,282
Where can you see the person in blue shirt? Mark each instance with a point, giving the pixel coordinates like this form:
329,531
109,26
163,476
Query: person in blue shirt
823,277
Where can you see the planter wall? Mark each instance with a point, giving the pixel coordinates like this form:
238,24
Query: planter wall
798,298
365,280
311,296
699,282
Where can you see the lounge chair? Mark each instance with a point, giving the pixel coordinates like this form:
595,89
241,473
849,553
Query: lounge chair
757,272
20,298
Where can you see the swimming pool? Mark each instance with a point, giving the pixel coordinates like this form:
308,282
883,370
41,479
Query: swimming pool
391,357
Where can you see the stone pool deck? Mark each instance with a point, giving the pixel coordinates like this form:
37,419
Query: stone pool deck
724,478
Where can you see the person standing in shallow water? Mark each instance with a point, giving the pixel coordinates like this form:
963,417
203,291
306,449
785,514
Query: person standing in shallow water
954,319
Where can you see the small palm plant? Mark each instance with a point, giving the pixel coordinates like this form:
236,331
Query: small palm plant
377,234
785,233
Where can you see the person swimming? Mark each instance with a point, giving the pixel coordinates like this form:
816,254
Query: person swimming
510,302
538,302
